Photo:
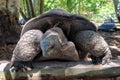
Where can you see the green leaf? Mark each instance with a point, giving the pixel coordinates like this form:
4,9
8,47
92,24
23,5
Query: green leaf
69,5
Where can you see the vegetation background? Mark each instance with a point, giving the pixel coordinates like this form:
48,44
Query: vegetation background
97,10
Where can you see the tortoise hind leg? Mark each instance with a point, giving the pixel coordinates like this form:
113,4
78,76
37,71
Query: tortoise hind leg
95,44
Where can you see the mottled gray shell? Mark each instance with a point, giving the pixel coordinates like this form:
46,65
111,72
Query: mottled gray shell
69,23
28,46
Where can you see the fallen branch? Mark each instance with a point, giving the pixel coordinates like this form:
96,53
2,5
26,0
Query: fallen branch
53,70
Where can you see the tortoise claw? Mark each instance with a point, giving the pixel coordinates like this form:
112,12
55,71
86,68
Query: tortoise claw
21,66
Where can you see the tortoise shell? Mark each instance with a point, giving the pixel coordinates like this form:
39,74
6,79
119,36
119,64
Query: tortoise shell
69,23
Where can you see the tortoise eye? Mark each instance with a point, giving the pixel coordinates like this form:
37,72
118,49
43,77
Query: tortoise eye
51,47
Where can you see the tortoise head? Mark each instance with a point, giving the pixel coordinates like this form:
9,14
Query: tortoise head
50,45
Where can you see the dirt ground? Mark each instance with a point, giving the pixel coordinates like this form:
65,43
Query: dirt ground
112,38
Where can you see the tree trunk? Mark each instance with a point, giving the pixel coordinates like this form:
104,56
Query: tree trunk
9,27
117,8
41,6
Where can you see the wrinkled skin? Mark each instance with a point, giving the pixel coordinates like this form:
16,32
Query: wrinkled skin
52,40
26,49
93,43
54,45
